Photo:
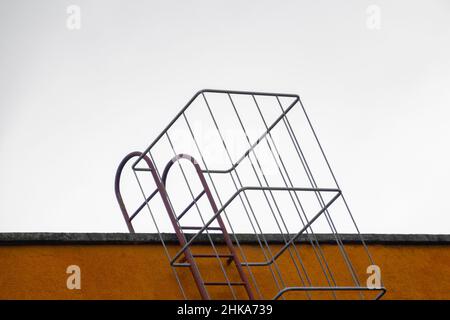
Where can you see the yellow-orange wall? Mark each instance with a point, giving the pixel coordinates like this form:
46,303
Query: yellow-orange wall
142,272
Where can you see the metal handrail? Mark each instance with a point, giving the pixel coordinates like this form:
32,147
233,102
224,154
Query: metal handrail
118,193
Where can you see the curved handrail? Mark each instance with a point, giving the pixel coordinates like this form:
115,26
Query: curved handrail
175,159
160,188
122,206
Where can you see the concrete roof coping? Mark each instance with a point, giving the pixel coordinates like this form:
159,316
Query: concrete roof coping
44,238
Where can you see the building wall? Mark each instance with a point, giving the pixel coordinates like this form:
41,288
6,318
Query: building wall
142,271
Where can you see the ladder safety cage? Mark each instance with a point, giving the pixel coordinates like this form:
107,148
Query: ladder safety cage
244,175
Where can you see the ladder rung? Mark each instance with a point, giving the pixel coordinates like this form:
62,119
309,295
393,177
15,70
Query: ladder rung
224,283
143,205
142,169
212,256
199,228
181,264
191,204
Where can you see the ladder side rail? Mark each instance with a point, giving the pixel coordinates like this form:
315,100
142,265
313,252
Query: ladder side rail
217,216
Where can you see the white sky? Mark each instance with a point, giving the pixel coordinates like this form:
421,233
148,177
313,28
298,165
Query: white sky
73,103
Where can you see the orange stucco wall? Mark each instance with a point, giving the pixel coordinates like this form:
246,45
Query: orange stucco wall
142,272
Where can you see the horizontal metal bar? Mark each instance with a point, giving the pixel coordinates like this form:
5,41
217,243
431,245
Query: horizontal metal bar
181,264
200,228
224,283
142,169
283,291
256,93
236,194
186,264
191,204
212,255
143,205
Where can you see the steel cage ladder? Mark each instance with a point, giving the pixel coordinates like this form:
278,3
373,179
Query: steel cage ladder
268,190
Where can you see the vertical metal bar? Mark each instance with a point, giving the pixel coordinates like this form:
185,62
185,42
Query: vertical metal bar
314,242
245,209
272,196
240,183
162,240
319,197
335,181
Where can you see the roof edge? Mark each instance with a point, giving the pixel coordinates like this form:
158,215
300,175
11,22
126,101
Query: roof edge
47,238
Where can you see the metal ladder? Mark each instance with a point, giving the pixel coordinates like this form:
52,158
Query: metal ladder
264,126
190,258
185,250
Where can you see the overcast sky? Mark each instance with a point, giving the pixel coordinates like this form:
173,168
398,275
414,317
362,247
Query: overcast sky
74,102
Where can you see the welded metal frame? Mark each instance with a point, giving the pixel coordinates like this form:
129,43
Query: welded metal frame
160,182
